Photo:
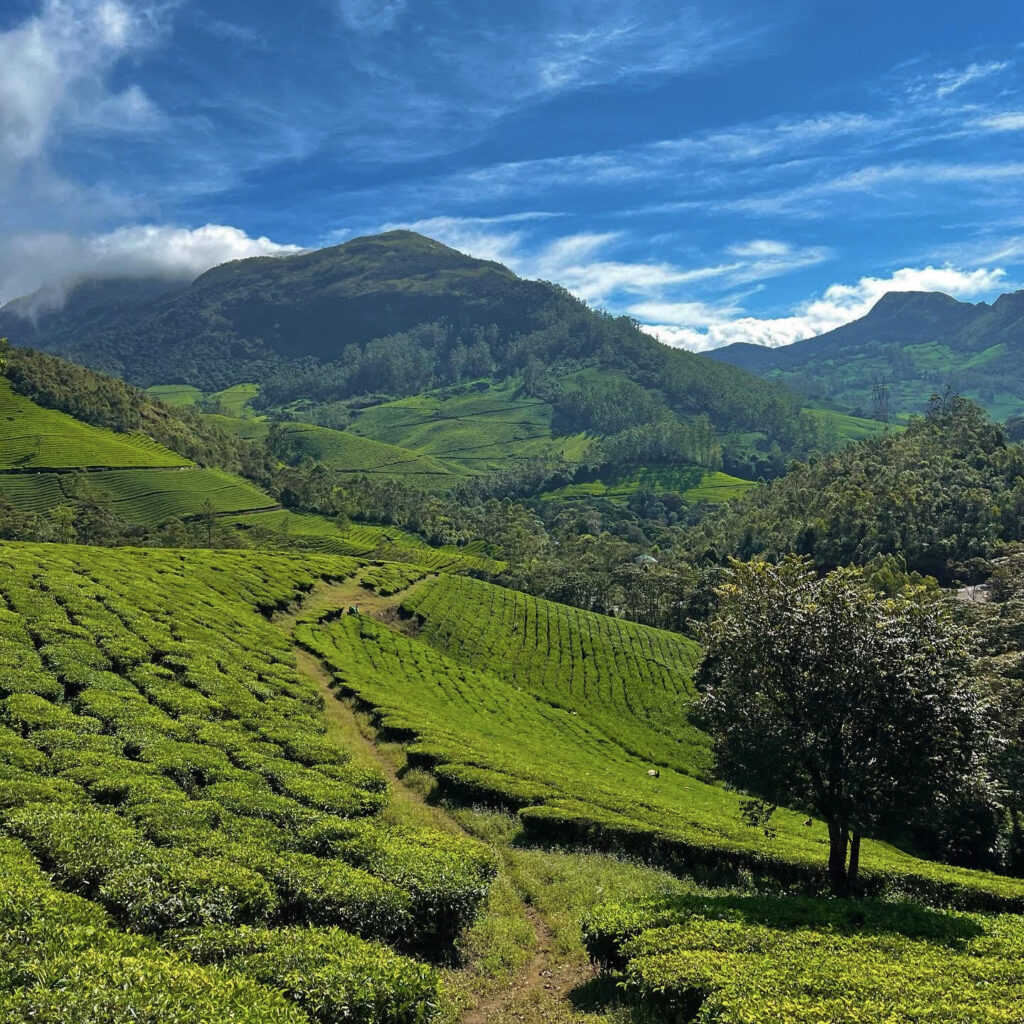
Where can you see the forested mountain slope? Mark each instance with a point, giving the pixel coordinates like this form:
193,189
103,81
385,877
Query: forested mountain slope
395,315
947,490
913,343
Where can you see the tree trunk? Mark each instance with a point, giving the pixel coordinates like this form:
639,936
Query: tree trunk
838,839
852,870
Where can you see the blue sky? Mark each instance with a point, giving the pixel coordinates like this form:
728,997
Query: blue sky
722,171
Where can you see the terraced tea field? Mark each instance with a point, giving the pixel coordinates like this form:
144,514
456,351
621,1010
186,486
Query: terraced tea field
179,841
365,540
479,428
631,681
350,453
33,438
145,496
575,760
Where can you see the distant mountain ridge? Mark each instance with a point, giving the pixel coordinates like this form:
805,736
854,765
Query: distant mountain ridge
248,315
392,316
916,343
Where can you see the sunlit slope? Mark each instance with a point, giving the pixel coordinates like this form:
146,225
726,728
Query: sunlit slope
32,437
630,681
179,838
500,735
478,427
347,452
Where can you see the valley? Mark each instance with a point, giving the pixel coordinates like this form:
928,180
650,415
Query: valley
335,690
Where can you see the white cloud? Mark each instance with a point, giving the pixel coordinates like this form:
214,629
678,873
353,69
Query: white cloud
1007,121
702,328
371,17
29,261
950,82
53,70
580,262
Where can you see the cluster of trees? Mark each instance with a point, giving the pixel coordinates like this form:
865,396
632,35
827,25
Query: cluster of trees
948,489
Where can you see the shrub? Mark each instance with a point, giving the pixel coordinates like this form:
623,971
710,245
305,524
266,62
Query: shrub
332,975
180,891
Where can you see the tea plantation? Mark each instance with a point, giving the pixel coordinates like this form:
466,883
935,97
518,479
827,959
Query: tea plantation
364,540
180,841
350,453
738,960
32,438
571,748
146,496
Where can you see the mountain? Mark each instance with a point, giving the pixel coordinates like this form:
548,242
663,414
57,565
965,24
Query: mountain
916,343
238,319
390,317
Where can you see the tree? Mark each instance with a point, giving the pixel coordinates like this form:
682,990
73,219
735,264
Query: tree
824,695
5,347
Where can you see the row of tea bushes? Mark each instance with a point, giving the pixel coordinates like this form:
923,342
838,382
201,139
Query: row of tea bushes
755,960
490,737
163,759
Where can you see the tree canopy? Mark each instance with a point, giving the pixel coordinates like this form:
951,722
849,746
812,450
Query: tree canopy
824,695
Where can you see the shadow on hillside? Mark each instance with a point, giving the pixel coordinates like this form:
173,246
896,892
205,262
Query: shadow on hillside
845,917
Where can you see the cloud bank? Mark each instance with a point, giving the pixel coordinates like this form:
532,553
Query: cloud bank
702,328
29,261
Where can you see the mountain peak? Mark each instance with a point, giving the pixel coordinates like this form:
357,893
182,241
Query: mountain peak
915,304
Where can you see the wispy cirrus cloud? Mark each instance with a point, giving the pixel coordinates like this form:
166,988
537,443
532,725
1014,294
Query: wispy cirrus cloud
949,82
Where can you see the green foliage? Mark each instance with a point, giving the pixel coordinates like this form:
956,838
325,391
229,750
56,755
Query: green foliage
944,491
168,763
822,694
751,960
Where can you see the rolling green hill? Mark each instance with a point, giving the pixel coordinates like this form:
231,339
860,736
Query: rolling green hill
350,453
478,427
35,438
388,317
915,343
572,745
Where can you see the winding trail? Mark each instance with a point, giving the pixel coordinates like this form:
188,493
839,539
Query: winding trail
539,990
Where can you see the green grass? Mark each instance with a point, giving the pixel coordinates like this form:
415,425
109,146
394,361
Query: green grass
32,437
578,768
145,496
480,428
349,453
210,852
175,394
